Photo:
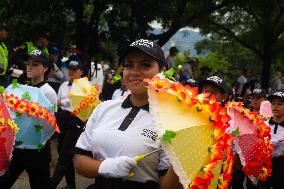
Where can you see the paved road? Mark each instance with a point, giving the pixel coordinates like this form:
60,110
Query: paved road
23,180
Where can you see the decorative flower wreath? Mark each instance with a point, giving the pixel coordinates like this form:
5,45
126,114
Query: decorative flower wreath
262,157
220,151
88,101
30,108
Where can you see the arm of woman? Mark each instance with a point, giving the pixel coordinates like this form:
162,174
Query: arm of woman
86,166
169,180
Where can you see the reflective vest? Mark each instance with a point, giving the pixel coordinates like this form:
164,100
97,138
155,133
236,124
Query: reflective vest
3,58
32,47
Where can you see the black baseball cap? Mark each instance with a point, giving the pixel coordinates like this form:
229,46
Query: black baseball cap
259,92
277,94
147,46
39,56
215,80
74,65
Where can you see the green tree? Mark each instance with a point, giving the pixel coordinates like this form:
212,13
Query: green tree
256,25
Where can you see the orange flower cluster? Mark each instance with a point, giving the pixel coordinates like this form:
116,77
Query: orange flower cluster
88,101
220,151
260,165
31,109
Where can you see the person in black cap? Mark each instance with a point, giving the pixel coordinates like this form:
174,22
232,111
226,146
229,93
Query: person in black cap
258,96
216,86
276,123
70,127
119,130
20,54
34,161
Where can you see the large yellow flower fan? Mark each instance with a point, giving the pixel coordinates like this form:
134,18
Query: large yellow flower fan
193,133
84,97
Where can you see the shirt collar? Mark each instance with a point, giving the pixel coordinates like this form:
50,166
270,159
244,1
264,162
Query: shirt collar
128,104
70,83
38,85
271,122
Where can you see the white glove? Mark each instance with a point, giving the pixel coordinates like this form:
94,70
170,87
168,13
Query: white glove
118,167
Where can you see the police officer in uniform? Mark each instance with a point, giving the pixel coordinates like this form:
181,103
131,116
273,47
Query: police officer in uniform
70,127
35,162
20,53
3,54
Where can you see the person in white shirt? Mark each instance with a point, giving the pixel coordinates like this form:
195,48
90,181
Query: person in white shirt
70,127
97,75
170,58
242,80
276,124
119,130
35,162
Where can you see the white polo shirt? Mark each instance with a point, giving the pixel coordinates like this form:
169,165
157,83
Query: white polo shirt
102,138
63,96
49,93
277,138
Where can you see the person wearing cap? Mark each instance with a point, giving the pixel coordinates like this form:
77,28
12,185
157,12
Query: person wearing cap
3,54
70,127
20,54
276,124
35,162
215,85
119,130
170,57
258,96
55,76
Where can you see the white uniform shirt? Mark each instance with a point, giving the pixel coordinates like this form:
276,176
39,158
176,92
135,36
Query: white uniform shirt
103,139
242,80
48,92
119,93
277,139
63,96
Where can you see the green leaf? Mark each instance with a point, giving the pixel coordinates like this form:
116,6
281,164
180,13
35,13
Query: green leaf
168,136
54,107
26,95
38,128
18,143
169,74
18,114
39,147
15,84
2,90
115,79
236,132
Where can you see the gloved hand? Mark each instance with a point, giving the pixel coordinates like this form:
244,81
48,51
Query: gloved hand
118,167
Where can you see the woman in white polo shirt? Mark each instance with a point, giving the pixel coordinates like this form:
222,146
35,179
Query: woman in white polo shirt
119,130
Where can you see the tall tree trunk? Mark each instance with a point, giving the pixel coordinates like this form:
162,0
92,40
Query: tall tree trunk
266,66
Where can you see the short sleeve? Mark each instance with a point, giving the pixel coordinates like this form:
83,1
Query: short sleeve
164,163
84,143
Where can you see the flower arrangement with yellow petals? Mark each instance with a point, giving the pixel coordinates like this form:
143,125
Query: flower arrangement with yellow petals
220,152
262,157
21,106
88,101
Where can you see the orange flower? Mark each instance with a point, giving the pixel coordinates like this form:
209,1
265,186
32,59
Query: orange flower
216,152
42,113
21,107
33,110
3,128
12,101
209,167
83,104
200,183
224,180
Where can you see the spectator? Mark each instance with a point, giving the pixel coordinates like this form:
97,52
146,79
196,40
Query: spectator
170,59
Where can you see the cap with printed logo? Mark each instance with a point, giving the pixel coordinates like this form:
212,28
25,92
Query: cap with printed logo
277,94
74,65
147,46
39,56
258,92
216,81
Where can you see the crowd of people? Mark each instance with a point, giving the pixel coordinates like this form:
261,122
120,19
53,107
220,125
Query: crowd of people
101,148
